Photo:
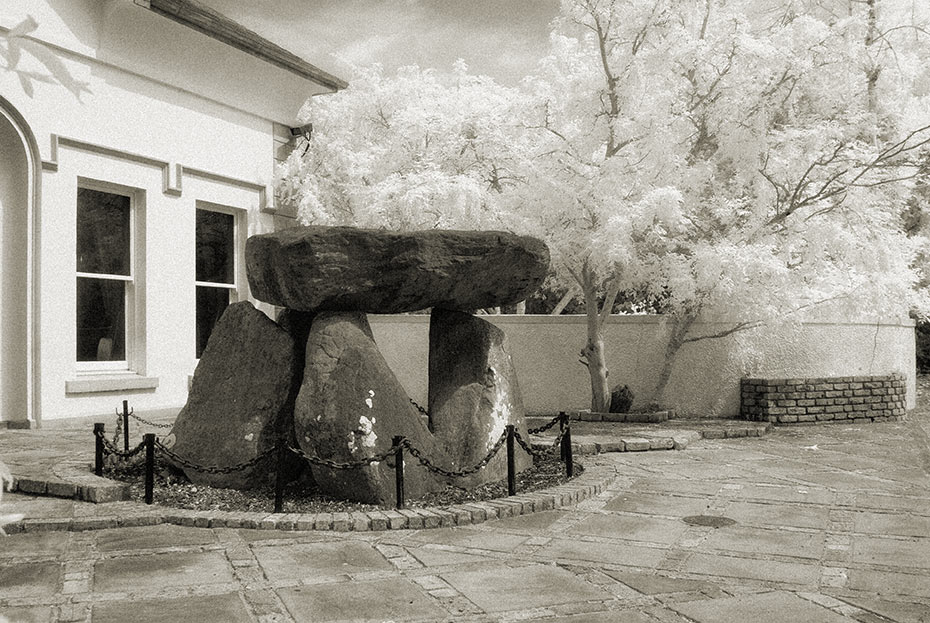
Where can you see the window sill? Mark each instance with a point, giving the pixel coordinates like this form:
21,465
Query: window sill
95,383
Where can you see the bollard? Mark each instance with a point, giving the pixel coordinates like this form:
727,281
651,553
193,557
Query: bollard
399,469
125,426
279,478
511,470
567,450
98,448
563,420
149,440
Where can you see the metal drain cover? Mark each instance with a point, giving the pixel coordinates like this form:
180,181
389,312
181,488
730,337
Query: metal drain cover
712,521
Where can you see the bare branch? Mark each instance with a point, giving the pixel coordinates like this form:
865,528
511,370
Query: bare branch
742,326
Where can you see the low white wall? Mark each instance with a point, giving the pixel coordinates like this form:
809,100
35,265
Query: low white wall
705,377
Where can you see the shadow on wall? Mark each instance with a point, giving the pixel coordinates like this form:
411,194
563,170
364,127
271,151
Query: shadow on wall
923,347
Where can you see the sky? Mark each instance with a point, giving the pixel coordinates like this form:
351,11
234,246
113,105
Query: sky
499,38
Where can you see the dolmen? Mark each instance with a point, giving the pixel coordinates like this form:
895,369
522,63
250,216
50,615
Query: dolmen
316,378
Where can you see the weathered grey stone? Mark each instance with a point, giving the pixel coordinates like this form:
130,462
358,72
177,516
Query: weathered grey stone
473,393
621,398
350,406
350,269
241,396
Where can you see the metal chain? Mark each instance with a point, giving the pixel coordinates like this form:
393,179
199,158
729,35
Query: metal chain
111,448
545,427
419,408
537,453
315,460
119,428
148,423
425,462
214,469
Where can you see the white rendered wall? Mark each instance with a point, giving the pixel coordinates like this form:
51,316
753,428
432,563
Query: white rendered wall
150,118
705,378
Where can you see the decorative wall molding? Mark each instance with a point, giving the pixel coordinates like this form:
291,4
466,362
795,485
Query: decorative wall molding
173,173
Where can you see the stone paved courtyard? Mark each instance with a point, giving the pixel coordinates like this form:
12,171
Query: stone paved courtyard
832,523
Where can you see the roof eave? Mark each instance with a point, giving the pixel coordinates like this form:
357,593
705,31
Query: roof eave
202,18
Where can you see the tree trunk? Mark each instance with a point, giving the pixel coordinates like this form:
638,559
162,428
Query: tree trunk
594,356
593,353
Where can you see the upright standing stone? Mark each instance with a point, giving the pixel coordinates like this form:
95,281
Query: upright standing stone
241,399
473,392
350,269
350,406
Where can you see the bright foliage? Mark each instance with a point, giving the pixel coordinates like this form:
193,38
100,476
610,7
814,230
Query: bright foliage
737,159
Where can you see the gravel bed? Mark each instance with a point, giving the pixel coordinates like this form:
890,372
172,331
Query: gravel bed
173,489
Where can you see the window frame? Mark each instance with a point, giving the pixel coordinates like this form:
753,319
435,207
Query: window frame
234,288
130,295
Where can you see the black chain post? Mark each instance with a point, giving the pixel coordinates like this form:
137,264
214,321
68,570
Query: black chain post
98,448
125,426
567,449
563,419
279,478
511,468
398,443
149,441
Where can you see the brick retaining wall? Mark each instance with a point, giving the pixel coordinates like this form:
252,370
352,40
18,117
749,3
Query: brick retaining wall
791,401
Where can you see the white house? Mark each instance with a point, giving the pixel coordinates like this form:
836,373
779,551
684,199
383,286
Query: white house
137,145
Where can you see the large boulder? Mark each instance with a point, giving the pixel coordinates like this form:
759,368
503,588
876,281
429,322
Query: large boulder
473,392
241,399
350,407
350,269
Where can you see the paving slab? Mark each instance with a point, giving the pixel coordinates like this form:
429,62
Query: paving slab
900,524
681,485
432,556
612,616
779,515
473,538
531,522
901,552
37,543
650,584
787,493
609,553
517,588
161,536
392,599
631,527
225,607
29,579
766,541
657,504
776,607
754,569
889,583
898,611
148,573
27,614
307,560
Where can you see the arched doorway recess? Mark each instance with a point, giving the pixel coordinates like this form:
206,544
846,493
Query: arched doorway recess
19,192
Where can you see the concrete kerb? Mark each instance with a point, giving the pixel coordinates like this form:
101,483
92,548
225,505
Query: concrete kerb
590,483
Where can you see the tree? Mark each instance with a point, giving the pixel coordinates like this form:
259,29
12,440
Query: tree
726,160
697,157
417,151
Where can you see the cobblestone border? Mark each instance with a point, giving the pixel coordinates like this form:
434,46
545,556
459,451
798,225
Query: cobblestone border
590,483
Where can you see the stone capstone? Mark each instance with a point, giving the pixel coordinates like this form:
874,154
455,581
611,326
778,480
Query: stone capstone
350,406
351,269
241,399
473,393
